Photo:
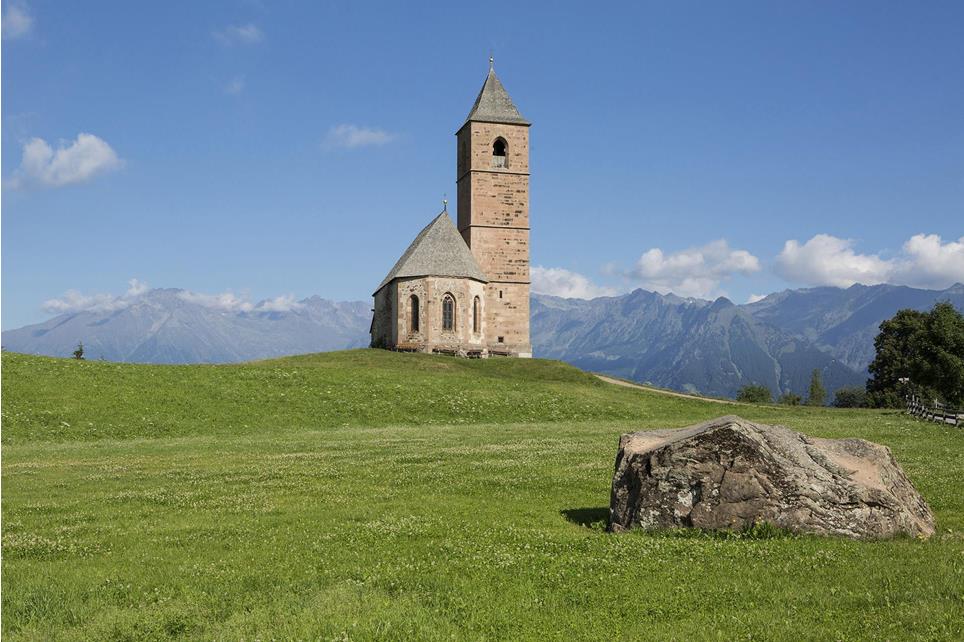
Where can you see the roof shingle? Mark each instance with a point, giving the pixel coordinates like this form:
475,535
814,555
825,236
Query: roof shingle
494,105
438,250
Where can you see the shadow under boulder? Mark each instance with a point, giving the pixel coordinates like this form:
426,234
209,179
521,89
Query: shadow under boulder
729,473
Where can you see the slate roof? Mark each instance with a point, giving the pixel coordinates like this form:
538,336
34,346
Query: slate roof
494,105
438,250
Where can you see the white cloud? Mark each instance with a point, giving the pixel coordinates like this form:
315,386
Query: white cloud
231,302
283,303
352,136
248,34
235,87
136,287
77,162
930,263
693,272
924,261
753,298
828,260
225,301
16,20
564,283
73,301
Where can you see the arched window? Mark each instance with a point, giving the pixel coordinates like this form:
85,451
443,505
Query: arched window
499,156
475,315
414,306
448,312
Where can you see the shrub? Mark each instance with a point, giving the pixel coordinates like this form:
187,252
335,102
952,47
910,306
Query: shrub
850,397
790,399
754,394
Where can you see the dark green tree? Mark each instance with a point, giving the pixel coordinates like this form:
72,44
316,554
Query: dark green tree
818,394
893,363
79,352
790,399
920,353
850,397
754,394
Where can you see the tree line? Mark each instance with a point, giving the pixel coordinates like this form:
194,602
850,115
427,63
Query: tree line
919,353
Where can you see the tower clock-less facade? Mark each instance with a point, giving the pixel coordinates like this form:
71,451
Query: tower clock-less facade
493,211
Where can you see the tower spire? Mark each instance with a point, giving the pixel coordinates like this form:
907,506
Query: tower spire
493,104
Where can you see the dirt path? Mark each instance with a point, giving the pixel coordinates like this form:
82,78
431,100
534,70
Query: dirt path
626,384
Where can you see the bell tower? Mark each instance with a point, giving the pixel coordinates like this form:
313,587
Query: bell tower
493,211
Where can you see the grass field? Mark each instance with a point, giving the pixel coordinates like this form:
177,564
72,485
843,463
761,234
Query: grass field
372,495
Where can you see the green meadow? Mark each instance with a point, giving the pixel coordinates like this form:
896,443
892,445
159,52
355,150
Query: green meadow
369,495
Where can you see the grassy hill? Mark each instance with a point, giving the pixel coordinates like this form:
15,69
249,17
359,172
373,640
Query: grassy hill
372,495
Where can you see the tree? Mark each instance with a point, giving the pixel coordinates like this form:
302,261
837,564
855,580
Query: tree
893,361
818,395
919,352
754,394
79,352
790,399
850,397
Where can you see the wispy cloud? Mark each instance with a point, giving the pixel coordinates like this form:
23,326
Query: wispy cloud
248,34
693,272
352,136
235,86
75,162
17,21
925,260
231,302
567,284
283,303
753,298
73,301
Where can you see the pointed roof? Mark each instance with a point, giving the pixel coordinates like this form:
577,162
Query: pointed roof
438,250
493,104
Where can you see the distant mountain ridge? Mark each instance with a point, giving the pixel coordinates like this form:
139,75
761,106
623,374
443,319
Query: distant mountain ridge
717,347
844,322
711,347
165,326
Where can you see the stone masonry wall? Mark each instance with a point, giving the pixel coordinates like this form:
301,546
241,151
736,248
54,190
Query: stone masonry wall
493,217
430,292
383,326
508,317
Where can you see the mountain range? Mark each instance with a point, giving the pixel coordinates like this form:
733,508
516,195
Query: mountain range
717,347
171,326
710,347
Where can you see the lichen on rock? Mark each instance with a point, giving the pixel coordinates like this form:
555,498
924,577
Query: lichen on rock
729,473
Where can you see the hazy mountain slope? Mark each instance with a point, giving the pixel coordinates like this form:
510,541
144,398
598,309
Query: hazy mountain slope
713,348
844,322
161,326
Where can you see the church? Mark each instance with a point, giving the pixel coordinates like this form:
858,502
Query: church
463,287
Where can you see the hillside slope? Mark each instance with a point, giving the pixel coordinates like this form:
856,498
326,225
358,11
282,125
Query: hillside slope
56,399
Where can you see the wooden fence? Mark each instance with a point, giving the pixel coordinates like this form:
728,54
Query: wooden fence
934,411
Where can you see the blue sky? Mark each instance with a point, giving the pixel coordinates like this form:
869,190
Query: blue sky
287,149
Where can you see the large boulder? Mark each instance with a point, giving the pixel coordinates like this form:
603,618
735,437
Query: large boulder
729,473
